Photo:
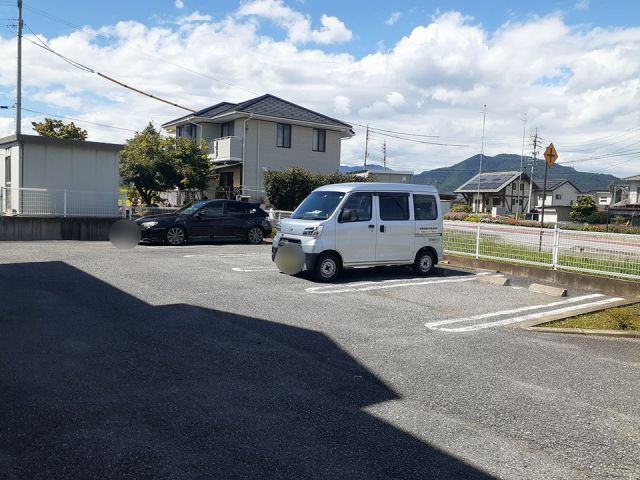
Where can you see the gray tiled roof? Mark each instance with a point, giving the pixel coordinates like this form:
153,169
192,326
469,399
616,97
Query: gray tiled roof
635,178
267,105
555,184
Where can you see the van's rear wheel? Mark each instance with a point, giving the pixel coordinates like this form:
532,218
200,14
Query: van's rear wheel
424,263
327,267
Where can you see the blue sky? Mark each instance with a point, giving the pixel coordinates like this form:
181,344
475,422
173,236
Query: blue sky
415,67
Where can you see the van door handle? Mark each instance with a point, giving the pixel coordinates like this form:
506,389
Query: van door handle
382,228
372,226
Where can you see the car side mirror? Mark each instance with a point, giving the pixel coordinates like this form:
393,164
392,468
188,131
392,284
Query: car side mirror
347,215
198,214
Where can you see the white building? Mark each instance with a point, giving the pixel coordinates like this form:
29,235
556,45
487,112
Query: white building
387,176
49,176
265,133
561,195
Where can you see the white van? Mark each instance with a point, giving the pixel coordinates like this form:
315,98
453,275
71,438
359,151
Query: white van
351,225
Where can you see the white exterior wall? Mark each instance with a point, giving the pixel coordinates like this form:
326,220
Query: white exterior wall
567,192
261,153
60,167
634,193
14,152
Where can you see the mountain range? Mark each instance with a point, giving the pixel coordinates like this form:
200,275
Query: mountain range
447,179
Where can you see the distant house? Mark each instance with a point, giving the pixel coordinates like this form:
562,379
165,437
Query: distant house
498,193
602,198
43,176
265,133
633,186
561,196
387,176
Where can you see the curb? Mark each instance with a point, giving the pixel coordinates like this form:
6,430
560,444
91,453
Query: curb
534,326
585,331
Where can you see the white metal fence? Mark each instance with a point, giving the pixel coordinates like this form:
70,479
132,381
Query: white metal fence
42,202
592,252
276,215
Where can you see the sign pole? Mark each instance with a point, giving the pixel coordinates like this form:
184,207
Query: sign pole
544,193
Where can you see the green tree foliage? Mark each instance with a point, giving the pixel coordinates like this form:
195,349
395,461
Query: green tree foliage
287,189
152,163
58,129
583,208
459,207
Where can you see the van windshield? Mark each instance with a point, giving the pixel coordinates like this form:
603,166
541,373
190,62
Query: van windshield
318,206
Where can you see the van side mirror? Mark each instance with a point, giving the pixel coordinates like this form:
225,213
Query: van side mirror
348,215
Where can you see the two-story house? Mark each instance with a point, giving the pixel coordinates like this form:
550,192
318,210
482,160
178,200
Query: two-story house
498,193
265,133
561,195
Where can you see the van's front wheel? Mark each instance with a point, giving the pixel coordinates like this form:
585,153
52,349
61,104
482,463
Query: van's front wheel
327,267
424,263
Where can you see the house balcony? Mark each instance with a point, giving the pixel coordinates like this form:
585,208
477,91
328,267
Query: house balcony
225,150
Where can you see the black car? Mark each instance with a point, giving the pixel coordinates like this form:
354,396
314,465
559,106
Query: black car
207,220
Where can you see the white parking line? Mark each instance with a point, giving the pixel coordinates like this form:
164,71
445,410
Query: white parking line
432,325
254,269
534,316
360,286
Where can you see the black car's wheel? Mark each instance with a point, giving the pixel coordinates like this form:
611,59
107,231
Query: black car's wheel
424,263
175,236
255,235
327,267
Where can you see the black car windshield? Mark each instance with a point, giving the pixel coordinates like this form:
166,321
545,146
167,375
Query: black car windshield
192,208
318,206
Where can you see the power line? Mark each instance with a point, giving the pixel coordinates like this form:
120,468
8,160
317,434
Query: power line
417,141
164,60
84,68
53,115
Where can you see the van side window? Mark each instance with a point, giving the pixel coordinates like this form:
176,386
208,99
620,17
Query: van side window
360,206
425,207
394,206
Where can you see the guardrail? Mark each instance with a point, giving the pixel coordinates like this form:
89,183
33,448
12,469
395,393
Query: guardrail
612,254
42,202
276,215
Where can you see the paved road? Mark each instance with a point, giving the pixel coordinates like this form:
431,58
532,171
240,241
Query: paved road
204,362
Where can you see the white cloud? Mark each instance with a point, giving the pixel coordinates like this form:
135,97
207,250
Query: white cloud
342,105
433,81
179,3
297,25
193,17
393,18
581,5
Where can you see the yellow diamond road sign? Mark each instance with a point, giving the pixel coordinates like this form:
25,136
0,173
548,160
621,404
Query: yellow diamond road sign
550,155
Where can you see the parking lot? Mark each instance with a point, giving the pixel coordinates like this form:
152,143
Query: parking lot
204,361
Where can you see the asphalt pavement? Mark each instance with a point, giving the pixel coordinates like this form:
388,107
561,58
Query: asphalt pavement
206,362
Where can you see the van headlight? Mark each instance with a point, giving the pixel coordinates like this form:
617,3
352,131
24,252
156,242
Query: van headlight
312,231
145,225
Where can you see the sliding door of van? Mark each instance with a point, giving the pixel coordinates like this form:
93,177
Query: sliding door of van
356,229
396,229
428,225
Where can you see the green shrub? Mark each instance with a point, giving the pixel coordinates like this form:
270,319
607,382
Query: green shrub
581,210
459,207
597,218
287,189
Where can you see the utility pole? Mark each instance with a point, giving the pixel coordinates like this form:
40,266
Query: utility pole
520,181
484,118
19,73
535,142
366,147
384,154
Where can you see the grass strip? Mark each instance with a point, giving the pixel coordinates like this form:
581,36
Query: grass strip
625,318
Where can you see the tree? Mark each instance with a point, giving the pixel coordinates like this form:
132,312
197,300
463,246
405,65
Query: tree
152,163
58,129
287,189
583,208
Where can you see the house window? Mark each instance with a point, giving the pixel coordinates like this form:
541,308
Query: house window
284,135
227,129
558,196
497,202
522,187
188,131
513,187
319,140
604,200
7,170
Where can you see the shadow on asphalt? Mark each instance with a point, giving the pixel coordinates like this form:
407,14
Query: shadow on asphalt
381,274
98,384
